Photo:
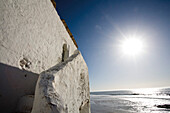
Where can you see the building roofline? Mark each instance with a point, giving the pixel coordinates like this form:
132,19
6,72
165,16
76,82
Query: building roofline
69,32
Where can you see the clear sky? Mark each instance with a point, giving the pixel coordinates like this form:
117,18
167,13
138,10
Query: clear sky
98,27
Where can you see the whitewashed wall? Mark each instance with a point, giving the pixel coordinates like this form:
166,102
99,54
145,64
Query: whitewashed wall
30,31
64,88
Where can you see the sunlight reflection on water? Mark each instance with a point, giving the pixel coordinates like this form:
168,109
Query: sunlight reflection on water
131,101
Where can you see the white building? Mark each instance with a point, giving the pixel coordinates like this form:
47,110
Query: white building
35,45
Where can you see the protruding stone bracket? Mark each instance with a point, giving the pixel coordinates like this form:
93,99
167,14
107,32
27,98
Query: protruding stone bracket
65,53
62,64
57,91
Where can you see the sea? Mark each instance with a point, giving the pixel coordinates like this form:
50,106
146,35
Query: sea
145,100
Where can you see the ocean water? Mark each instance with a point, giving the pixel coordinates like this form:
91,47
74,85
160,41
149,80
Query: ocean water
131,101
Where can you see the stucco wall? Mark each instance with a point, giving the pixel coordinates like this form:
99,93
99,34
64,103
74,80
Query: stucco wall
14,83
31,41
31,29
64,88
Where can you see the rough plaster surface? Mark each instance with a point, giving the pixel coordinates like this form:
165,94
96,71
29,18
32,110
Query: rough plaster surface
33,30
64,88
25,104
14,83
31,41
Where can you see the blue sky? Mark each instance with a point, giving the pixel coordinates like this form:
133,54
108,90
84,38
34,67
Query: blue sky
98,25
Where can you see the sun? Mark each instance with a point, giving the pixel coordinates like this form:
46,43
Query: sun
132,46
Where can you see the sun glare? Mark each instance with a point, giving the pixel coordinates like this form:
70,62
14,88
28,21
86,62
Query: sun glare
132,46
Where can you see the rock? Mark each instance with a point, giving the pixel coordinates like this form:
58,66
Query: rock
167,106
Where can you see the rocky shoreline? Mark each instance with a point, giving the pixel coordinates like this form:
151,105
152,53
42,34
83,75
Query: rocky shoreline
167,106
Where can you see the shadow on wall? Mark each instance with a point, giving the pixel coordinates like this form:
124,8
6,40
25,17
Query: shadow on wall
14,83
